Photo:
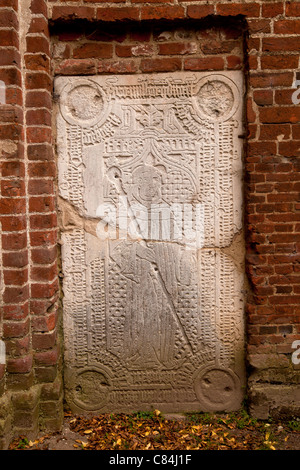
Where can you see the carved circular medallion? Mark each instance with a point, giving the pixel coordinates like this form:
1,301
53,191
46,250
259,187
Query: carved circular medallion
216,98
217,389
82,103
91,388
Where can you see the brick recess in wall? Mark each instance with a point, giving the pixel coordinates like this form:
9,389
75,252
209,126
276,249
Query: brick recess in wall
87,37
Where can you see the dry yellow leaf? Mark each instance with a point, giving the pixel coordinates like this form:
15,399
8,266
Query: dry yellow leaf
33,443
196,428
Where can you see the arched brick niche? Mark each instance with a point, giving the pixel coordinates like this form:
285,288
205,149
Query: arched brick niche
260,39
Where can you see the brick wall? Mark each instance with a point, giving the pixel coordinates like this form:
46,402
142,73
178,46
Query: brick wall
30,389
88,37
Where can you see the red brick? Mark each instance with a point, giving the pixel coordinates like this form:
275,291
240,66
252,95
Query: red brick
38,116
10,132
46,290
39,25
106,1
15,329
123,50
263,97
278,62
177,48
289,114
199,11
41,169
38,98
2,371
12,188
40,186
37,62
271,9
118,13
8,19
12,224
259,26
204,63
162,12
41,204
76,67
287,27
234,62
148,1
160,65
12,206
15,277
44,221
117,66
39,135
14,241
45,255
17,347
9,57
234,9
44,238
290,149
284,96
19,365
11,76
44,274
38,44
264,79
39,7
40,152
15,294
272,131
47,357
44,323
262,148
38,80
93,50
141,50
9,37
279,44
44,340
293,9
73,13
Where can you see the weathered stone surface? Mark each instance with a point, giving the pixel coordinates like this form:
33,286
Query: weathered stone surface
277,401
153,287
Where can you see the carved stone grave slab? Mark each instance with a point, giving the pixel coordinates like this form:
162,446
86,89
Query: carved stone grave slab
150,203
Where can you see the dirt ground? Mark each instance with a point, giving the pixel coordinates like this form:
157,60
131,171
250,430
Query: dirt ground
157,431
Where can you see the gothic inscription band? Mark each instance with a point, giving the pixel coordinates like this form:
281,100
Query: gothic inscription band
150,203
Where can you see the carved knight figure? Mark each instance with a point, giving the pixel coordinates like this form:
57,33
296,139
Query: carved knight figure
154,335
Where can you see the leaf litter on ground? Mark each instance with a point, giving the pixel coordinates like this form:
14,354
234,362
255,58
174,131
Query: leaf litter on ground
192,431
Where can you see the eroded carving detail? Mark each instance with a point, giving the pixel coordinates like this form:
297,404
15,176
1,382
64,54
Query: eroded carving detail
150,320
